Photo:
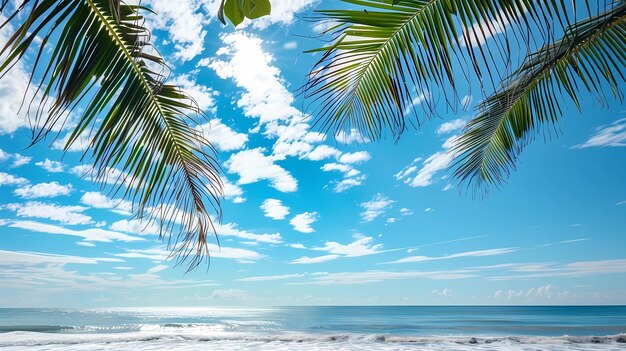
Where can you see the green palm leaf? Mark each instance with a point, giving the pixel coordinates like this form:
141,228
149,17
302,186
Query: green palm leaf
389,51
590,57
102,61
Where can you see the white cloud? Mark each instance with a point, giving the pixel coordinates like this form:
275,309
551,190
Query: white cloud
230,229
323,152
350,278
135,226
92,234
99,200
348,183
329,167
63,214
233,192
222,136
290,45
375,207
354,136
451,126
406,212
477,253
445,293
9,179
361,246
157,269
432,165
162,254
265,96
19,160
313,260
203,95
480,32
4,155
613,135
302,222
272,277
52,189
80,144
229,294
50,166
274,209
31,258
355,157
545,292
253,166
183,21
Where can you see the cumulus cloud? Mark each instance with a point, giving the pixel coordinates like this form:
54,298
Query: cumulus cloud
302,222
19,160
183,22
451,126
313,260
99,200
274,209
253,166
222,136
64,214
50,166
376,207
355,157
351,136
233,192
9,179
323,152
52,189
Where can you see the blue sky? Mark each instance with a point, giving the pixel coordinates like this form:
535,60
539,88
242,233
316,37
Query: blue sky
312,219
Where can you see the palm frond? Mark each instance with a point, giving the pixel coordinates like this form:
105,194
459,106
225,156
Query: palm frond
589,57
387,52
102,62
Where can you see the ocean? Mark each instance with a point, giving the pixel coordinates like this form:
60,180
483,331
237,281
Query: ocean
316,328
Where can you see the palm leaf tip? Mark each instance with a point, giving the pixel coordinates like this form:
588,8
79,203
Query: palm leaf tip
141,125
589,57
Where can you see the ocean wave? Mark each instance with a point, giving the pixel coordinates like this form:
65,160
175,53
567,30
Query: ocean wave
205,334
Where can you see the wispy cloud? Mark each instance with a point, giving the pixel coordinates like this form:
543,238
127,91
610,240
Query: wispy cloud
92,234
476,253
613,135
375,208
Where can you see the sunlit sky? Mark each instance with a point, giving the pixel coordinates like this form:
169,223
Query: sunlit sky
311,219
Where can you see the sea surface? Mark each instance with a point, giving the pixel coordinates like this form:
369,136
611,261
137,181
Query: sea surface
316,328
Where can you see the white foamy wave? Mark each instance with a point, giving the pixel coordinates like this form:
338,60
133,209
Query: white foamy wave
198,339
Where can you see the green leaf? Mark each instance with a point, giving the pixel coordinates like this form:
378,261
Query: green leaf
238,10
138,126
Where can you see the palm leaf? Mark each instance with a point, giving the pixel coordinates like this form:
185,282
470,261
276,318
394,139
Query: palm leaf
102,61
390,51
589,57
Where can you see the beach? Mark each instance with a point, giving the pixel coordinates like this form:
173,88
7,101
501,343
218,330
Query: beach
316,328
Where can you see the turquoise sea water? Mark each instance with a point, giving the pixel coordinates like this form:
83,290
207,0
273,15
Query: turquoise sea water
316,328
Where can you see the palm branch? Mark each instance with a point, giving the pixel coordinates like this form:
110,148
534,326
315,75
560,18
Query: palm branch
102,62
388,52
590,57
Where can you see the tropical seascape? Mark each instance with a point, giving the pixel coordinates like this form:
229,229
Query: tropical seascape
312,175
317,328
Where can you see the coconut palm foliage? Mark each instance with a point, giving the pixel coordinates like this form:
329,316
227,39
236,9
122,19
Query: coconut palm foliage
102,68
386,54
